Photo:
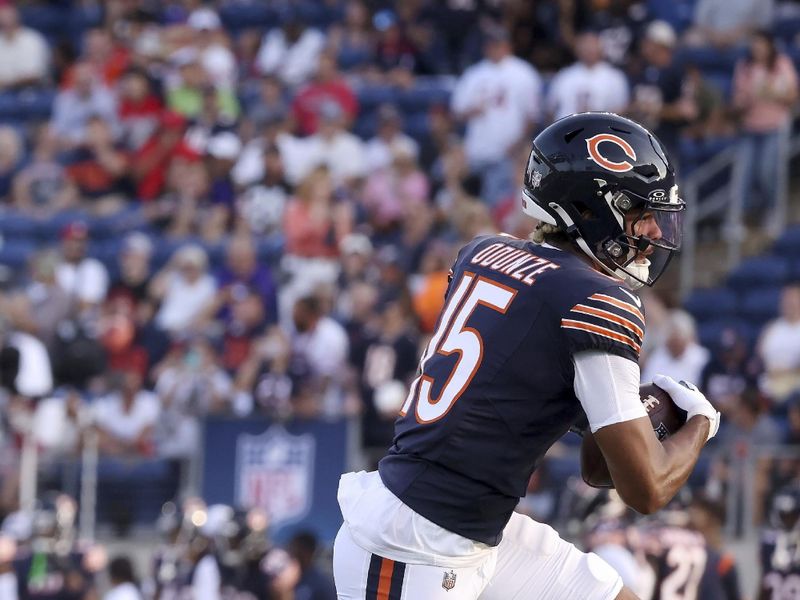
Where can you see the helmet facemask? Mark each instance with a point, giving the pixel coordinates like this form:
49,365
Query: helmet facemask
651,234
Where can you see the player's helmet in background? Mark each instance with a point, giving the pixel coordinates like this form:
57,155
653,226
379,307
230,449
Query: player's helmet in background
586,172
785,511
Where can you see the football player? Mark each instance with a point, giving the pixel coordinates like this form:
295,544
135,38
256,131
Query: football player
780,548
683,563
535,335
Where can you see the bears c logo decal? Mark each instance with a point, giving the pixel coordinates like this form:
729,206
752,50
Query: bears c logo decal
593,145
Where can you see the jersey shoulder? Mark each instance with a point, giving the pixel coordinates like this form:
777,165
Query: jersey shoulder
596,312
602,315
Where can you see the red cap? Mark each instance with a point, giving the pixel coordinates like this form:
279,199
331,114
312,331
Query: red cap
75,230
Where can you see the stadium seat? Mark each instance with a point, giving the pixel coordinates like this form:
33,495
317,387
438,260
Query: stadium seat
15,253
34,105
16,226
237,17
709,304
678,13
760,305
709,58
789,243
766,270
422,96
371,96
710,331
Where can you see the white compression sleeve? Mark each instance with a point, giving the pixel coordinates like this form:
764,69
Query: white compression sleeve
608,388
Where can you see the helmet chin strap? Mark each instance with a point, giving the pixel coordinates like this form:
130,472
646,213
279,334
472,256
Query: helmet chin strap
637,270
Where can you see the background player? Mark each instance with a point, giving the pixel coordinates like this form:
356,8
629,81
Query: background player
780,548
532,336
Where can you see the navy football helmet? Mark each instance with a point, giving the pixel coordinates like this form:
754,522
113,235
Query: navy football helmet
596,176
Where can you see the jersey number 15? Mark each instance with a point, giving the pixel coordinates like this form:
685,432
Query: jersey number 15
453,335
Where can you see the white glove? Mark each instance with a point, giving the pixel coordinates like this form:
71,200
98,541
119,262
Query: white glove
689,398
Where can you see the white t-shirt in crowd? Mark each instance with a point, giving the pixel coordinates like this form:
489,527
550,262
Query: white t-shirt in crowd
379,152
184,301
123,591
687,367
23,56
111,416
87,281
343,154
293,63
325,347
510,93
35,376
780,346
579,88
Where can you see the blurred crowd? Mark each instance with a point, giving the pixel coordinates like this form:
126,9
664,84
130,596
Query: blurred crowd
250,208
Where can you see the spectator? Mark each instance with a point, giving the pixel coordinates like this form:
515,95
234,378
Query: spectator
24,363
680,356
327,86
397,190
589,84
42,188
76,106
334,146
314,226
215,55
108,60
725,24
135,273
314,584
291,52
779,348
150,163
125,418
194,91
386,361
99,168
84,279
356,254
122,579
246,300
42,305
396,55
765,93
319,359
139,109
262,379
730,371
659,98
11,156
380,149
500,99
259,209
184,288
270,106
24,54
190,385
353,39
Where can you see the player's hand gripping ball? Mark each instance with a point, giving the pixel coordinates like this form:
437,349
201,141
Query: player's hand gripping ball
665,416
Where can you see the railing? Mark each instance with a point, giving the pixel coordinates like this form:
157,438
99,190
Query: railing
727,203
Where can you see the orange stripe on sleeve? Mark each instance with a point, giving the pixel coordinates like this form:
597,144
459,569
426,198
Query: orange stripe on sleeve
601,331
619,304
385,579
609,316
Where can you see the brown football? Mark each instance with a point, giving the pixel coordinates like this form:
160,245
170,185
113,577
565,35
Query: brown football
665,416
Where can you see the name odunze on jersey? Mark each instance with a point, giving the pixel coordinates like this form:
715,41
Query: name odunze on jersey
495,386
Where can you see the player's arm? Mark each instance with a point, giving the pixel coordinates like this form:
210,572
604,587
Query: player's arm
646,473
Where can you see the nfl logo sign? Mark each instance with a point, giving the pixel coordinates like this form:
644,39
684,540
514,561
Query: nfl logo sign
275,472
449,580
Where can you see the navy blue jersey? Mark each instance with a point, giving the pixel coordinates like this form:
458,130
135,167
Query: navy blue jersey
684,565
495,386
780,565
